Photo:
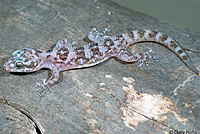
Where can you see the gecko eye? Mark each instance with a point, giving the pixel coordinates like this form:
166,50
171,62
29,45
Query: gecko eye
19,64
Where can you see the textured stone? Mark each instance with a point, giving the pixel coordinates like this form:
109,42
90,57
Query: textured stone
85,100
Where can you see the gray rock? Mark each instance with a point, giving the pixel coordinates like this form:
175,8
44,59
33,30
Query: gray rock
97,99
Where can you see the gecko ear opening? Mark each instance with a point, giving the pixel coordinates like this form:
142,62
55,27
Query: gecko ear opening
35,63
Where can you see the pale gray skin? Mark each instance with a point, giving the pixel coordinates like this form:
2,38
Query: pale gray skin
65,57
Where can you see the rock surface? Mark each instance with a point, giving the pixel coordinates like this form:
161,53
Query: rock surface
113,97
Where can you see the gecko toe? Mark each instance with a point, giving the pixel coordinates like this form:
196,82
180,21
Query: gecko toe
42,88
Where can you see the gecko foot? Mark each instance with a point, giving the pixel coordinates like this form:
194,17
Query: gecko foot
96,36
145,58
43,88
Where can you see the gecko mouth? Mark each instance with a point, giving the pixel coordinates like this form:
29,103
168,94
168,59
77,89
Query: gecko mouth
14,71
11,69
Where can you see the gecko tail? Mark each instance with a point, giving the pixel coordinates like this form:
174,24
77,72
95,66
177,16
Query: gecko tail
191,66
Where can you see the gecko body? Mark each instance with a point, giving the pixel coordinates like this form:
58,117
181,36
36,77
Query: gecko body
65,56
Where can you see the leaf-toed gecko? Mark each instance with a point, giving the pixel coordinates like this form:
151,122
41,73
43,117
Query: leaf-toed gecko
65,56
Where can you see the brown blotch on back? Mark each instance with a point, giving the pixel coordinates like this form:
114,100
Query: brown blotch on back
184,57
95,51
106,45
80,54
131,35
141,33
109,42
66,53
120,37
163,37
153,34
180,51
173,44
62,57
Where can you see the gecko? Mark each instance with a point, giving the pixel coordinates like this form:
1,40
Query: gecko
65,56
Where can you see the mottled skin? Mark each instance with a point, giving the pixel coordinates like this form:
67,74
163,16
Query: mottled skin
65,56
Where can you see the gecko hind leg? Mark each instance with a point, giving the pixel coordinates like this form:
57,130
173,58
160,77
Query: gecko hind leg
143,58
96,36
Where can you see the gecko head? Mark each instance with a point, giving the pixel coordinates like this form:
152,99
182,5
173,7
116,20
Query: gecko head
25,60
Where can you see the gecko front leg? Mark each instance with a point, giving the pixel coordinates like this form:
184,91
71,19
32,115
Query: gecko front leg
49,82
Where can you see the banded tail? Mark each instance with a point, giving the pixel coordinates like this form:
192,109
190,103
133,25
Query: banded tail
158,37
